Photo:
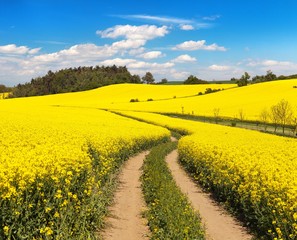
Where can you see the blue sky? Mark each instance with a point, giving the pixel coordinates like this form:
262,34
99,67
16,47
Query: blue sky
171,39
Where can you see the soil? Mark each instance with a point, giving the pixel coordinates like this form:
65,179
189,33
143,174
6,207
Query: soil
125,220
219,225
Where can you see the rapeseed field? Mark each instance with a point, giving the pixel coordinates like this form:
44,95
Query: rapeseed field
253,173
240,102
58,153
55,163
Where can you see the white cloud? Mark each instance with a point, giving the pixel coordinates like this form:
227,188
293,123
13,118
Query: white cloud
143,32
51,42
129,43
137,51
219,67
134,64
187,23
118,62
21,50
268,63
151,55
186,27
184,58
78,52
159,70
212,18
179,75
275,63
198,45
161,19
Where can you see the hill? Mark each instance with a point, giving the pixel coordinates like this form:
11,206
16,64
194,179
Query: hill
119,95
249,100
74,80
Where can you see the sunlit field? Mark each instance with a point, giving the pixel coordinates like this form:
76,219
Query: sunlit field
252,172
55,163
58,152
249,101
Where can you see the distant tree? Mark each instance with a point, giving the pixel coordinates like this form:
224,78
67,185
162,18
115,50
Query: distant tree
264,117
274,116
243,81
164,80
216,114
241,114
194,80
75,79
270,76
4,89
135,79
283,113
148,78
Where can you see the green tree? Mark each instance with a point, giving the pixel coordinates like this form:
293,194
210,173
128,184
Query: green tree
283,113
264,117
164,80
243,81
216,114
270,76
194,80
148,78
135,79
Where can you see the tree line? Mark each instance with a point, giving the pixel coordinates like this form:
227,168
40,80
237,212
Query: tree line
280,115
245,79
4,89
86,78
75,79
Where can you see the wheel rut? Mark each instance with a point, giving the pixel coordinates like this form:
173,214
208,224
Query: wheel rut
219,225
125,220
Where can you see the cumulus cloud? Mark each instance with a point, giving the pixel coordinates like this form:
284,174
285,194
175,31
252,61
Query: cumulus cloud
137,51
184,58
179,75
268,63
219,67
151,55
76,52
140,67
198,45
21,50
134,64
186,27
275,63
143,32
129,43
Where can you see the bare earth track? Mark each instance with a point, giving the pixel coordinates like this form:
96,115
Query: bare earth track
219,225
125,221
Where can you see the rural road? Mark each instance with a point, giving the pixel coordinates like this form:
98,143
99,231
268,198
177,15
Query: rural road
125,221
219,225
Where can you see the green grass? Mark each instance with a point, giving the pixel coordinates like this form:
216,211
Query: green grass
169,213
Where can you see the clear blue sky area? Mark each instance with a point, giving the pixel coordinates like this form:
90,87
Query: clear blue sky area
171,39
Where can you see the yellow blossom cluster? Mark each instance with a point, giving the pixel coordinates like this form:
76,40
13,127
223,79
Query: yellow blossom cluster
4,95
232,102
53,160
255,173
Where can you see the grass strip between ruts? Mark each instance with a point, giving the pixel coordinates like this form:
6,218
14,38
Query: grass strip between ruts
170,215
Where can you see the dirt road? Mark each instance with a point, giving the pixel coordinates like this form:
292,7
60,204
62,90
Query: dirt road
125,221
219,224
